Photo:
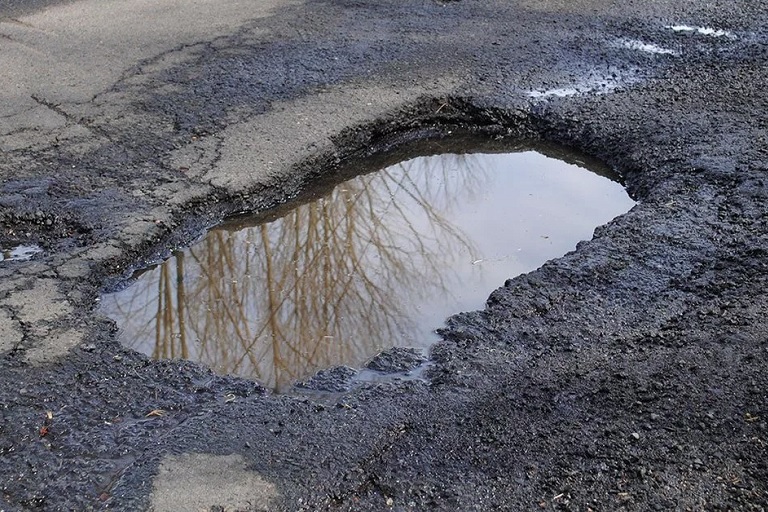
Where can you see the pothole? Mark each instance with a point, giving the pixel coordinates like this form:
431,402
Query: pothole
380,261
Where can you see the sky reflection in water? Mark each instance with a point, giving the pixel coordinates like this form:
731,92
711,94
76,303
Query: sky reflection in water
379,262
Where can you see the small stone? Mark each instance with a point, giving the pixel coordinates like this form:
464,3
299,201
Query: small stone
635,435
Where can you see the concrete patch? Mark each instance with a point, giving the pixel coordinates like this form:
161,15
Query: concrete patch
39,308
74,268
10,336
254,153
70,52
54,346
197,481
42,302
103,252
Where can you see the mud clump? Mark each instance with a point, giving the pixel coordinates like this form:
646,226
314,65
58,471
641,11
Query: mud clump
397,360
333,380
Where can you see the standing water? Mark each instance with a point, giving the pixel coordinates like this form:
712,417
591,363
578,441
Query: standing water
379,262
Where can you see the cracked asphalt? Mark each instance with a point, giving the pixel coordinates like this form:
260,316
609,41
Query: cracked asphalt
629,374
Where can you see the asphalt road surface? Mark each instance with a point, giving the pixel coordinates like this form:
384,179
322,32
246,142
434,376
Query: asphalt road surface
630,374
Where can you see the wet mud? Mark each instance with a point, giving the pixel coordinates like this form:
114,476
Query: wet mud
629,374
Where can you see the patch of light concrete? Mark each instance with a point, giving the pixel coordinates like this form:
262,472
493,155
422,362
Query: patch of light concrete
705,31
42,302
198,481
634,44
41,308
261,151
68,52
57,344
10,334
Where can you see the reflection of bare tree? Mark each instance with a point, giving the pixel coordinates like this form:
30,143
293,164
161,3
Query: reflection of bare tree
330,283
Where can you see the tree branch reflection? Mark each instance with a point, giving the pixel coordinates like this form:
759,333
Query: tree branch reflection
332,282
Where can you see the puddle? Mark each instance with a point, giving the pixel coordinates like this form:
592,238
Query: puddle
380,261
19,253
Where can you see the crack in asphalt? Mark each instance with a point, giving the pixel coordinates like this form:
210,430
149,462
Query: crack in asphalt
70,118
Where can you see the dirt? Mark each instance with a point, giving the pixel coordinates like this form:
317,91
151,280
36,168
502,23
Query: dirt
628,375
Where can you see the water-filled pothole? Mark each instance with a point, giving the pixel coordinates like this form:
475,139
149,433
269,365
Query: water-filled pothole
19,253
380,261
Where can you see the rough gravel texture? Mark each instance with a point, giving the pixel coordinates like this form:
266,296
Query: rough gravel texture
630,374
